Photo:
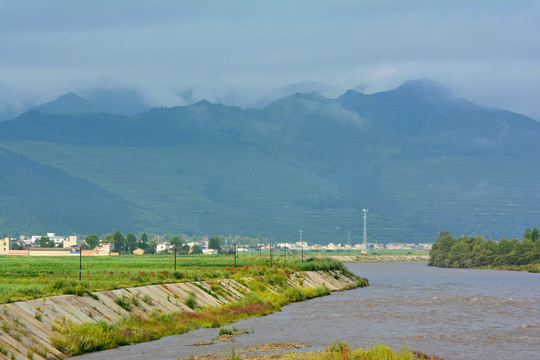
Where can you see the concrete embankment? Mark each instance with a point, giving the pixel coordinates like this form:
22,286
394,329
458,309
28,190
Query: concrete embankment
27,327
379,258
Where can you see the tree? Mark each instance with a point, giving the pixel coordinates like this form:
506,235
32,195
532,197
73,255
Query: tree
108,238
196,249
45,242
143,243
535,234
17,247
184,249
176,241
119,241
144,237
131,242
440,250
459,255
151,249
92,241
214,243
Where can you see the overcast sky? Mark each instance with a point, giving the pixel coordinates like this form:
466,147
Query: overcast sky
242,52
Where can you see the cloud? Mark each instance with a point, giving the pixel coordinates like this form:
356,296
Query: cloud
242,53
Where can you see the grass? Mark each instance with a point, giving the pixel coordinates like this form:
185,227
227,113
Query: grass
28,277
342,351
335,351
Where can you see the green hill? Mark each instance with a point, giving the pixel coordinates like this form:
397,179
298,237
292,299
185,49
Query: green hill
419,159
37,198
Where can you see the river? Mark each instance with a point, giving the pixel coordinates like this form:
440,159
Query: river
452,313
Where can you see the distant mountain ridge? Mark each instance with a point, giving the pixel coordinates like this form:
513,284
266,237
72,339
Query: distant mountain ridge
68,104
421,159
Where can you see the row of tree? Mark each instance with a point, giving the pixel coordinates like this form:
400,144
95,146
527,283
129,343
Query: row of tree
129,243
476,251
43,242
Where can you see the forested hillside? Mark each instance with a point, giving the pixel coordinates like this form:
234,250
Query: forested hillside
418,158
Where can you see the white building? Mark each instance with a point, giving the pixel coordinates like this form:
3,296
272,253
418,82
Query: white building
163,247
52,236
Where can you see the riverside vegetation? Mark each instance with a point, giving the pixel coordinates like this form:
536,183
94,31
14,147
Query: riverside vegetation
477,252
260,290
25,278
335,351
262,299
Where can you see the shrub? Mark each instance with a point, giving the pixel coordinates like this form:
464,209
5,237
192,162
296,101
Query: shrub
147,299
123,302
134,300
295,294
179,275
191,300
225,331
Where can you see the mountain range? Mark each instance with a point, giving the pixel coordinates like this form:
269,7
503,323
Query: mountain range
420,159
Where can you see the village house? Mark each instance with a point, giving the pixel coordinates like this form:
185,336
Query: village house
73,241
163,247
5,245
52,236
105,249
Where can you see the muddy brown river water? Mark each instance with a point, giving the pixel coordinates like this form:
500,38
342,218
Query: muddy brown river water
452,313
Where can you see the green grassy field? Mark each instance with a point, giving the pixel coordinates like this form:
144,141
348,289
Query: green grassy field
28,277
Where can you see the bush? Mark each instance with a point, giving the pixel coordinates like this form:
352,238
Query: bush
225,331
191,300
295,294
124,303
147,299
179,275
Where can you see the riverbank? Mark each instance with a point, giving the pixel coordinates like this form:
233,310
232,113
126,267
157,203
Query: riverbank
335,351
378,258
60,326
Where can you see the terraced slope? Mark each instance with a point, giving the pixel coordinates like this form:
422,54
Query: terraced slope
418,158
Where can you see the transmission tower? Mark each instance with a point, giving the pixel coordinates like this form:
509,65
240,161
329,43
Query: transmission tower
365,211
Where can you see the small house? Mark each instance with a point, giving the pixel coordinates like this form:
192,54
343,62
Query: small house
138,251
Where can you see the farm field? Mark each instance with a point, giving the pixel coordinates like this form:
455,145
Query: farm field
27,277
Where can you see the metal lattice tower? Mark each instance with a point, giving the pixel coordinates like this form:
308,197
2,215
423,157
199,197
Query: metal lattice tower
365,211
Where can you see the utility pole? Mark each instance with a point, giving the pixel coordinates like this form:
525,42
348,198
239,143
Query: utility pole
301,231
174,257
80,263
234,247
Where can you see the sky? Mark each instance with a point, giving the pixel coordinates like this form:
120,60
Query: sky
250,52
